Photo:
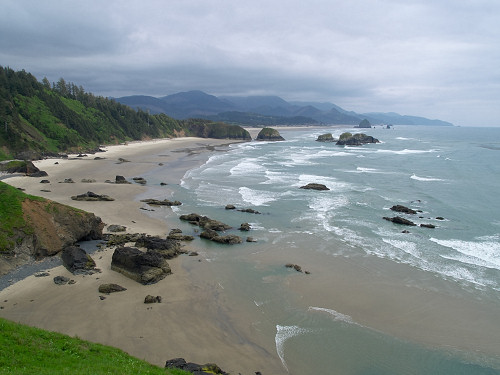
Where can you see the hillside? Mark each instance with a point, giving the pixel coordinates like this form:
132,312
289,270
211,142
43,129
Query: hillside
27,350
39,118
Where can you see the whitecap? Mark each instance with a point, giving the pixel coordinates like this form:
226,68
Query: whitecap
405,151
284,333
415,177
481,253
406,246
257,197
247,167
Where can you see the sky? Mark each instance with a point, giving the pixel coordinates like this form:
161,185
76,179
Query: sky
438,59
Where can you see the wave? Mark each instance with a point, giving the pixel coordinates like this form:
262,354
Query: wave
336,315
415,177
480,253
257,197
247,167
284,333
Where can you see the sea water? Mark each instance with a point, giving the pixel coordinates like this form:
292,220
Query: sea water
451,175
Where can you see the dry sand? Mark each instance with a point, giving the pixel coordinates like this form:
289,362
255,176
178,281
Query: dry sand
190,322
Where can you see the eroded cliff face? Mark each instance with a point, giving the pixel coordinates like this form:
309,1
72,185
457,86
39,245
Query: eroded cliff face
50,227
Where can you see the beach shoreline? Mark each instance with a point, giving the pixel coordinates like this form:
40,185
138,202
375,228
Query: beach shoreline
191,321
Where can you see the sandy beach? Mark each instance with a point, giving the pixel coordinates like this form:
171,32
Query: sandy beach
191,321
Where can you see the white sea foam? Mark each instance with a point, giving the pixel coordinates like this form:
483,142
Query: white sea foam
481,253
406,246
284,333
246,167
336,315
257,197
405,151
415,177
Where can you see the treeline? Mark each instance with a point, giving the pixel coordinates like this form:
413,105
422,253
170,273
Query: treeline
40,118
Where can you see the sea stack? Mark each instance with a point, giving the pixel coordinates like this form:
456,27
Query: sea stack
269,134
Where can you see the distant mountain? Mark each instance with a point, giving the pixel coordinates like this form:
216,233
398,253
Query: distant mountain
396,118
262,110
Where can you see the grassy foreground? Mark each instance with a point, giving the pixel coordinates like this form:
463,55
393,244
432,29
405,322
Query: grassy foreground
26,350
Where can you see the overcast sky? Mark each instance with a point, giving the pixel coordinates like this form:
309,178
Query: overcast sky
432,58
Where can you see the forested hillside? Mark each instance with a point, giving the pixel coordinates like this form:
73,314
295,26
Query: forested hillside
40,118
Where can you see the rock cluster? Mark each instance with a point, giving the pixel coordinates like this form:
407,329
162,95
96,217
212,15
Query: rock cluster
348,139
90,196
165,202
212,235
204,222
196,369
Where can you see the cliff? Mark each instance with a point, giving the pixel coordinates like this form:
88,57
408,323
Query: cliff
33,227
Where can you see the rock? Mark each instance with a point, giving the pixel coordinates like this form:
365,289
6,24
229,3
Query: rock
111,288
152,299
145,268
314,186
92,197
61,280
122,160
432,226
165,202
116,228
41,274
205,222
439,218
167,248
269,134
193,254
196,369
140,180
328,137
355,140
45,182
163,184
121,180
250,211
102,298
88,180
175,231
229,239
68,181
245,227
364,124
405,231
77,261
230,207
296,267
400,220
208,234
403,209
250,239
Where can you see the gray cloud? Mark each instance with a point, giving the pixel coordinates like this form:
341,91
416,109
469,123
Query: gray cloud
437,59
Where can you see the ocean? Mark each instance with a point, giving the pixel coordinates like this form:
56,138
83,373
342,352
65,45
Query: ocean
375,300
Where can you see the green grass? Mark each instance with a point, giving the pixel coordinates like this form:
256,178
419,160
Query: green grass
27,350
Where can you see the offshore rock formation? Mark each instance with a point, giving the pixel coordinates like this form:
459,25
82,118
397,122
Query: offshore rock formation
269,134
347,139
314,186
328,137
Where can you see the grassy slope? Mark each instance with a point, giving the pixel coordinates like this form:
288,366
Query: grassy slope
26,350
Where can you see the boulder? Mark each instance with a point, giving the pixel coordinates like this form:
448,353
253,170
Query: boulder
400,220
250,211
152,299
111,288
403,209
314,186
230,207
229,239
145,268
116,228
61,280
140,180
432,226
269,134
328,137
77,261
245,227
205,222
121,180
92,197
167,248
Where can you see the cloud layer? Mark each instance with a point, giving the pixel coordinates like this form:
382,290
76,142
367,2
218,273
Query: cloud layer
433,58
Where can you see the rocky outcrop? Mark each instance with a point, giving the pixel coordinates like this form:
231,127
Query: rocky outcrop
245,227
92,197
25,167
176,234
121,180
403,209
152,299
212,235
400,220
165,202
143,267
328,137
77,261
364,124
269,134
204,222
314,186
196,369
347,139
167,248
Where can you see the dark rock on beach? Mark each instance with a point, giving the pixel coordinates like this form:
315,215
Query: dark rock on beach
92,197
152,299
194,368
314,186
165,202
121,180
77,261
296,267
140,180
61,280
145,268
114,228
167,248
111,288
400,220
